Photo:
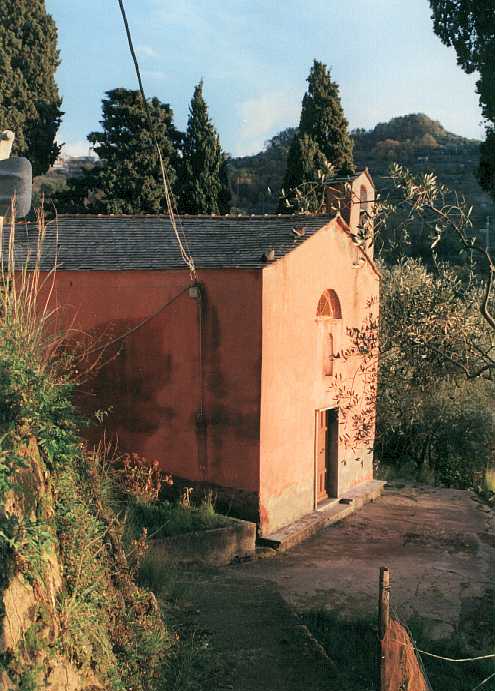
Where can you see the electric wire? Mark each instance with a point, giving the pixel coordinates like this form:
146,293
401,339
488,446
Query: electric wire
138,326
420,652
484,682
180,235
416,652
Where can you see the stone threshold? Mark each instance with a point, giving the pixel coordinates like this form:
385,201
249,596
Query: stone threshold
331,511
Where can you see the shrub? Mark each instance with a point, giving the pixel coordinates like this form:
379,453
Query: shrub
103,622
432,417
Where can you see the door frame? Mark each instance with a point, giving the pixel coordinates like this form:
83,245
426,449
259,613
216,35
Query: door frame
316,450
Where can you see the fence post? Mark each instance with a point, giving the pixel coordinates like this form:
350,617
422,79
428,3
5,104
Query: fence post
383,620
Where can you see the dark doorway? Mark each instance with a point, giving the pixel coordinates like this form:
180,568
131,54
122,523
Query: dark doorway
327,436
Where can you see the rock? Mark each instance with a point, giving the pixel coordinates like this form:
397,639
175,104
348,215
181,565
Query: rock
63,677
28,500
19,609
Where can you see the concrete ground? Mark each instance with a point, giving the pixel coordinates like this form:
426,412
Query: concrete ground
254,640
438,544
440,550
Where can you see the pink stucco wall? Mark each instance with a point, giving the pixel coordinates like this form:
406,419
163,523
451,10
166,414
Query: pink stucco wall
293,384
262,376
152,386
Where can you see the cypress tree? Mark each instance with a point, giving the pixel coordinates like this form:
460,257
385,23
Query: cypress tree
305,164
225,196
128,179
29,98
322,137
203,181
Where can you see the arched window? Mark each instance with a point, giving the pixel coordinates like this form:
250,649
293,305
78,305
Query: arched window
329,316
329,305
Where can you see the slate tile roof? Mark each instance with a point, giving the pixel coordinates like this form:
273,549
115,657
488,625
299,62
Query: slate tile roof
113,243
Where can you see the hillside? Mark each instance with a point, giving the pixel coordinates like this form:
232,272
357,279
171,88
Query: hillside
255,181
423,145
416,141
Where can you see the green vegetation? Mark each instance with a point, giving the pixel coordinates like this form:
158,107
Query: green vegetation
200,188
434,422
166,518
101,621
129,179
29,101
437,338
469,27
142,490
414,141
423,146
322,142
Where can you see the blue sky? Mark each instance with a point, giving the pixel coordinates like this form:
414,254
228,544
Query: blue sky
254,57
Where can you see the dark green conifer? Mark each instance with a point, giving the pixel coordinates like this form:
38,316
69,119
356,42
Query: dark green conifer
322,136
203,185
306,164
322,118
469,26
29,98
225,196
128,179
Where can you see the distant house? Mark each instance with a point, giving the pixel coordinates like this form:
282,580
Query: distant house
74,166
230,382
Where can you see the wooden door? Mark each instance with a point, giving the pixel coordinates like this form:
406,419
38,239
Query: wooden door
322,456
333,452
327,435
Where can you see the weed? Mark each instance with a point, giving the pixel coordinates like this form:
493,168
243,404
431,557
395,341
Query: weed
103,622
165,519
352,645
28,680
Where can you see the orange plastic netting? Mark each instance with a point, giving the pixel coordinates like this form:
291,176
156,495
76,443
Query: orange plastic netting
401,670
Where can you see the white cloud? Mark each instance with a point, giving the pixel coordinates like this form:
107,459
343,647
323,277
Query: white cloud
81,148
147,51
153,74
264,115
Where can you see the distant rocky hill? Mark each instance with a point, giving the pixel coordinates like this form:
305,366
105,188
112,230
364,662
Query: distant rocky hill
415,141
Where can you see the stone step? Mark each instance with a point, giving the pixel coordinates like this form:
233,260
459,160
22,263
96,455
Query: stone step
332,511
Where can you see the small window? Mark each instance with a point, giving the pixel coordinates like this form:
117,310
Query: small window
329,316
328,356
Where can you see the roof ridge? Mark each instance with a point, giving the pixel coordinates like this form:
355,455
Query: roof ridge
229,217
86,242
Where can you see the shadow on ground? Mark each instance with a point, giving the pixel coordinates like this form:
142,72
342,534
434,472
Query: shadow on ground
247,627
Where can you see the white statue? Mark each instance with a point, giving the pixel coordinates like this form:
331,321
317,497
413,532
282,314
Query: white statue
6,140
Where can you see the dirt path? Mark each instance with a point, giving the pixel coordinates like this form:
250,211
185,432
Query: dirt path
255,642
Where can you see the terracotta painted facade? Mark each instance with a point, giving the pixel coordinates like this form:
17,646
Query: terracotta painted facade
225,383
295,383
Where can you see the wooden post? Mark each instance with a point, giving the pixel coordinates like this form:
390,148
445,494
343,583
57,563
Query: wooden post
384,601
383,622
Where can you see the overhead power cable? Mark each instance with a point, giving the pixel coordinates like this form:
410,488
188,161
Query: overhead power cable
178,231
